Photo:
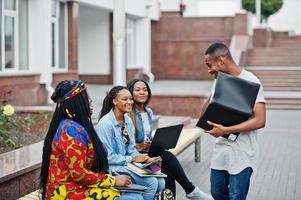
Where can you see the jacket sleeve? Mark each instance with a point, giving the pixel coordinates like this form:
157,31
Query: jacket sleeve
106,134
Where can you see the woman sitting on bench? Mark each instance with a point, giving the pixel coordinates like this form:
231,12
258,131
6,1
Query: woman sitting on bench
142,117
74,164
116,130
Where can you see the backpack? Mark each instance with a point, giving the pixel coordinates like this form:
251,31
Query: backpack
166,194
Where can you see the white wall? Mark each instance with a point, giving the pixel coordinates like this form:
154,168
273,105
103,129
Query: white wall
288,17
39,35
94,41
143,47
153,10
169,5
218,7
206,8
132,7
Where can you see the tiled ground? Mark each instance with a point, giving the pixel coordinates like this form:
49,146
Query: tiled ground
279,169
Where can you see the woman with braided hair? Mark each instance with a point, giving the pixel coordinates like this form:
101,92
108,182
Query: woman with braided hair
142,117
116,130
74,164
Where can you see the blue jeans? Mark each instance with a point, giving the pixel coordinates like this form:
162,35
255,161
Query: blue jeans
225,186
153,184
131,196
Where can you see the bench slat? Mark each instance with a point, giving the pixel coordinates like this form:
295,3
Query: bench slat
187,137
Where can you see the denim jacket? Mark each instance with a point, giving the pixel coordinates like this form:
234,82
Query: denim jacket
140,133
109,132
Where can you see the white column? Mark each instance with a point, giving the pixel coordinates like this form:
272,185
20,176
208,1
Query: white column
258,12
39,47
143,50
119,65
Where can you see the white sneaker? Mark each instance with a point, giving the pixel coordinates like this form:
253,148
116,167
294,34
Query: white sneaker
198,194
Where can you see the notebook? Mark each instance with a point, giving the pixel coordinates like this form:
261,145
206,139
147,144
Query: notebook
165,138
232,102
143,172
130,188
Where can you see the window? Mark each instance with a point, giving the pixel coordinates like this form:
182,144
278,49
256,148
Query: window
9,42
58,46
131,42
13,35
54,35
9,22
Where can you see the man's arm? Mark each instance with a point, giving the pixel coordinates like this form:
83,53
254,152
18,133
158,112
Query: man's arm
257,121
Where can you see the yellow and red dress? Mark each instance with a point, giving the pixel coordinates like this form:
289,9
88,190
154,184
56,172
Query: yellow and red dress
70,173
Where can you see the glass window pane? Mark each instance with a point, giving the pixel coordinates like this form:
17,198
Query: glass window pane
10,4
62,39
9,42
53,44
53,8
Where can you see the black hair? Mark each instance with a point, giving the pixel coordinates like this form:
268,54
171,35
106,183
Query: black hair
107,103
218,49
78,105
130,85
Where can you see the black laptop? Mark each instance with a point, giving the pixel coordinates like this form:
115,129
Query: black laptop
232,102
165,138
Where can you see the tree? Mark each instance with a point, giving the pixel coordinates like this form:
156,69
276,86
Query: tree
268,7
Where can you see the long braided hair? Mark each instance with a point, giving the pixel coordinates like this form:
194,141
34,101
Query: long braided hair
72,103
107,104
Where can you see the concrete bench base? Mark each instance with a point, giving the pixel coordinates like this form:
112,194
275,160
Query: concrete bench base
32,196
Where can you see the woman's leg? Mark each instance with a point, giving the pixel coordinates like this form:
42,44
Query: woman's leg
150,182
171,164
170,182
131,196
161,184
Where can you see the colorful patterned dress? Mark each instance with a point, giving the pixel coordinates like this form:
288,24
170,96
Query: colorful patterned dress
70,173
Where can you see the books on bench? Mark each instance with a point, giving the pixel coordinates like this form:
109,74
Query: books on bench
130,188
143,172
145,165
232,102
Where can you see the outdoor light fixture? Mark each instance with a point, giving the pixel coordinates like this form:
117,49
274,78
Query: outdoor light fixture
182,7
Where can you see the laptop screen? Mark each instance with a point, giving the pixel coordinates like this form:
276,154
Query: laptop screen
165,138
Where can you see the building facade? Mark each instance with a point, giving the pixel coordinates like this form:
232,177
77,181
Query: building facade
45,41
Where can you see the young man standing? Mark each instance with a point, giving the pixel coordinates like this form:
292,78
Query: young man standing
233,162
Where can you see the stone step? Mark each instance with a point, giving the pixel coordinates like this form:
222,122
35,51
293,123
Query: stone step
276,88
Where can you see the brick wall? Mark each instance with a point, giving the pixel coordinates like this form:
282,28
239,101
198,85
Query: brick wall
177,105
178,44
25,90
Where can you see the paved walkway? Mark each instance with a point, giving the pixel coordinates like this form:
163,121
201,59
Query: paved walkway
279,169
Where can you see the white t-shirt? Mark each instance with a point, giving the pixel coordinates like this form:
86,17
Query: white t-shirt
146,126
236,156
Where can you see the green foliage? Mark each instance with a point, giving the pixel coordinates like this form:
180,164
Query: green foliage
7,124
268,7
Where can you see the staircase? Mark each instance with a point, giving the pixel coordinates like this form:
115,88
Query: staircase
279,69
